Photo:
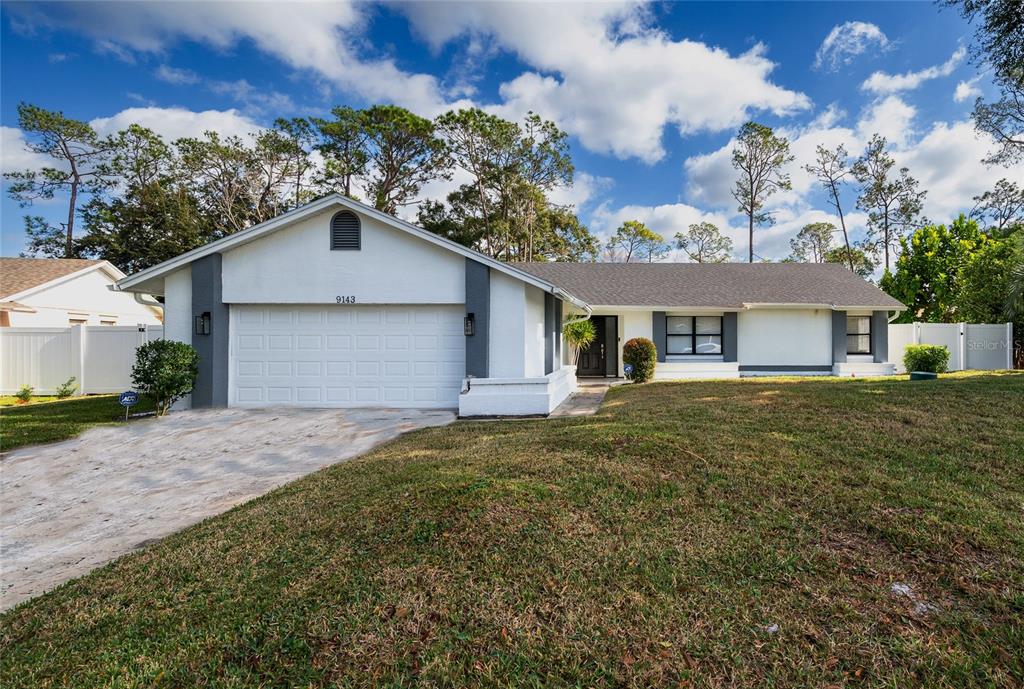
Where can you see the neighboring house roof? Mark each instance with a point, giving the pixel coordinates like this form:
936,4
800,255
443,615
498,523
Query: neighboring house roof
714,285
18,275
137,281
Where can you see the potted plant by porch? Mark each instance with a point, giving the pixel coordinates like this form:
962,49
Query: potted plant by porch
926,362
578,336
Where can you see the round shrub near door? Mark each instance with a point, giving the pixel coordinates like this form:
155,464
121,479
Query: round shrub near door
166,371
641,354
926,358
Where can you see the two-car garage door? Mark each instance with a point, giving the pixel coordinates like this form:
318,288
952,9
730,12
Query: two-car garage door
347,356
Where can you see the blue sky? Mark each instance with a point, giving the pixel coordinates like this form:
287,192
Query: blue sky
651,93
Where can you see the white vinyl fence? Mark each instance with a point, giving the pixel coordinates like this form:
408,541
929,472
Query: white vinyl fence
100,357
982,346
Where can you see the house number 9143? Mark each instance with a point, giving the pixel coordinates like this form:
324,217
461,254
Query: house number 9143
345,300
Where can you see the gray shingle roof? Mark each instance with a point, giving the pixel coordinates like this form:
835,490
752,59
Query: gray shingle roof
712,285
20,274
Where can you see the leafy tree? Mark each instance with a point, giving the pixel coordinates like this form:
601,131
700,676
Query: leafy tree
404,154
999,45
813,243
298,136
928,271
983,282
77,152
1002,208
562,237
892,202
635,241
344,146
144,226
46,240
704,243
759,156
861,261
831,168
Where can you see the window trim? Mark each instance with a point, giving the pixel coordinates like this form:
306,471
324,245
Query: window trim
869,334
359,231
694,335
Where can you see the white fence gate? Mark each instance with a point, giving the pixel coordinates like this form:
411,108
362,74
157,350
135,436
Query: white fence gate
982,346
100,357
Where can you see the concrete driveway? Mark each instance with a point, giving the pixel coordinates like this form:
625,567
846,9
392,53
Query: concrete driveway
73,506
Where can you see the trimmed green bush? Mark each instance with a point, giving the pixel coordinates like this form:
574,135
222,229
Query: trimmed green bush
24,393
930,358
166,371
641,354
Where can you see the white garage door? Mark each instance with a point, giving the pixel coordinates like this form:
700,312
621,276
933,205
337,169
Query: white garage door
347,356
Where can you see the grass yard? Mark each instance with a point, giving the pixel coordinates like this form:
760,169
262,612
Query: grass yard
756,533
43,421
12,401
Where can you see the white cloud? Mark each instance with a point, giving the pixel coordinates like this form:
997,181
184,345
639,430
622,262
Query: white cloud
175,123
946,160
255,99
604,76
585,188
967,90
845,42
891,117
883,83
14,157
174,75
313,36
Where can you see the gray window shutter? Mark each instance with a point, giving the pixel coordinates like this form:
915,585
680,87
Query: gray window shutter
345,232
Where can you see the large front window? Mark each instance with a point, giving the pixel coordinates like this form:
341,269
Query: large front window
858,334
700,335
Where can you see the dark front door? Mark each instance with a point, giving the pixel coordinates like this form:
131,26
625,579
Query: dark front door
593,359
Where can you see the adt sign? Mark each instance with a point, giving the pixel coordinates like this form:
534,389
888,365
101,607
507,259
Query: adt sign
627,369
129,398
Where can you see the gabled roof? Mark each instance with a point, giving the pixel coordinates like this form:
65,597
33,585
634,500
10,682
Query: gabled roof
714,285
20,275
136,281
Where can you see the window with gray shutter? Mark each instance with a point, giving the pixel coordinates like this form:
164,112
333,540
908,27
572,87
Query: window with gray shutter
345,232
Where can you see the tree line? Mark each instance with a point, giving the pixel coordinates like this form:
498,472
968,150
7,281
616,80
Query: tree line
148,199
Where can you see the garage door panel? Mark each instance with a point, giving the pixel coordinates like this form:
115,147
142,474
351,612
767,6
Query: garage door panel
403,356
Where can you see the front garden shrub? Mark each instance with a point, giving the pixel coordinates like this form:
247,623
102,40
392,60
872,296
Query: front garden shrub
66,389
579,335
925,357
641,354
166,371
24,393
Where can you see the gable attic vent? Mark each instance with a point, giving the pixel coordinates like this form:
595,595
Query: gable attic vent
345,231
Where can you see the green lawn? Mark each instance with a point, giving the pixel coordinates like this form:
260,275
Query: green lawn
12,401
45,421
735,533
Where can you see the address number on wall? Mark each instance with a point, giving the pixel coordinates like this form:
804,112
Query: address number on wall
350,299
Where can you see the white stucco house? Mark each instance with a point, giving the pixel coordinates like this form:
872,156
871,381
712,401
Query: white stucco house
63,292
335,304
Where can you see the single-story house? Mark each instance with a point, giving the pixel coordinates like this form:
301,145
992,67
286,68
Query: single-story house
62,292
335,304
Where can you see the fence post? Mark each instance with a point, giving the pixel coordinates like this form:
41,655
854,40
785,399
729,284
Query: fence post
78,345
963,346
1009,346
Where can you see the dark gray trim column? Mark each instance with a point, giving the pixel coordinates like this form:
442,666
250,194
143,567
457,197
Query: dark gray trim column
730,343
478,303
659,333
838,337
211,388
880,336
550,332
611,345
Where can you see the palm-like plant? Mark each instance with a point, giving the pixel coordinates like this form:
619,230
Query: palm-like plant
579,335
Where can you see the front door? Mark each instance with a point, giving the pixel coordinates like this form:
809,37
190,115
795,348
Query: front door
593,359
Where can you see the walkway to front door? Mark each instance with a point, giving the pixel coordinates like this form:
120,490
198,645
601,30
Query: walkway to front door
587,398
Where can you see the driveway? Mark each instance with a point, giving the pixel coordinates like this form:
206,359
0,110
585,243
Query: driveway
73,506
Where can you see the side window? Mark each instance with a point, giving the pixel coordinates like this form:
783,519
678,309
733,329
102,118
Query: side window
346,232
858,335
